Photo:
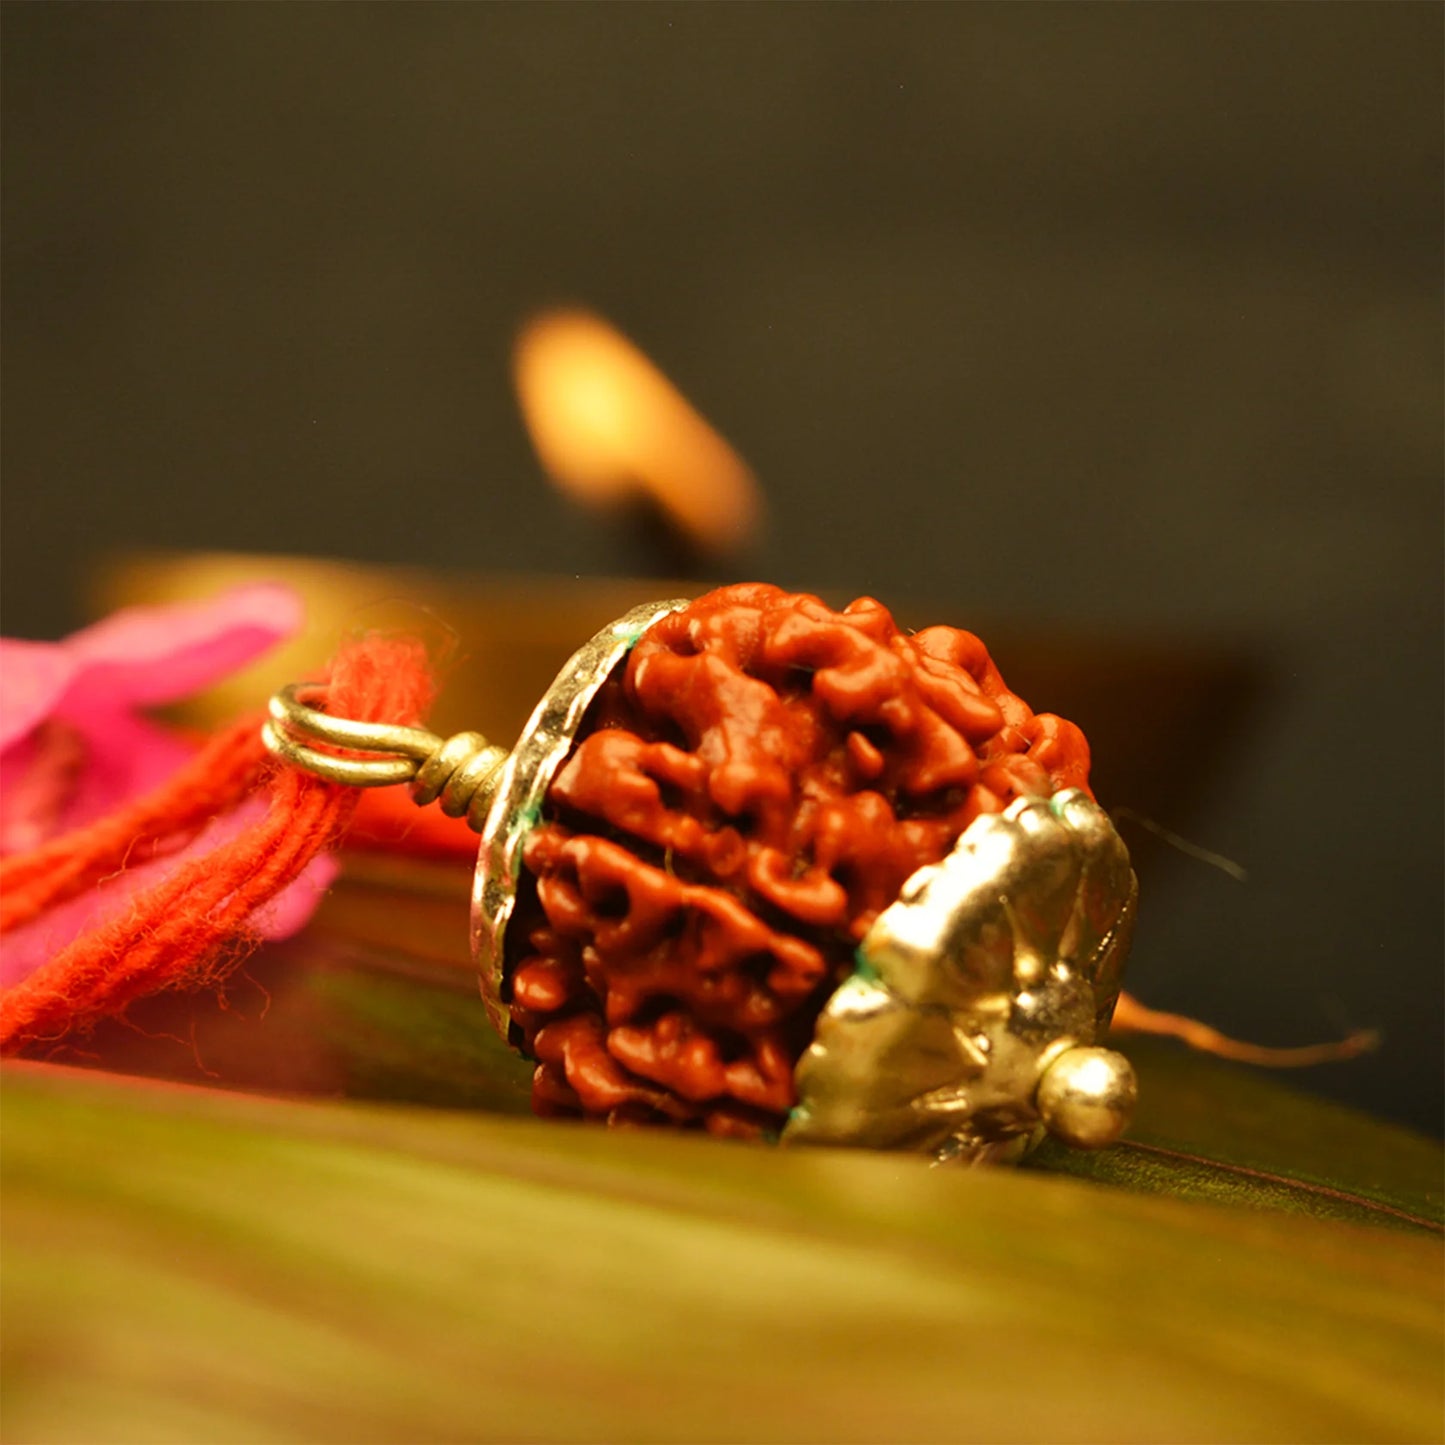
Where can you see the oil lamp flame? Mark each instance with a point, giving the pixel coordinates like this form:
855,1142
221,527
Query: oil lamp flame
608,426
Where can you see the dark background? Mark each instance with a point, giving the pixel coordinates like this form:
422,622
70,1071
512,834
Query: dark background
1120,321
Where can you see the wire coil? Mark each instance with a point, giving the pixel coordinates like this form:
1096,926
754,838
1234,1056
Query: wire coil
461,772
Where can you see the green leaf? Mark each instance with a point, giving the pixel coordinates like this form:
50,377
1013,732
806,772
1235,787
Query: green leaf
188,1265
379,1000
1234,1135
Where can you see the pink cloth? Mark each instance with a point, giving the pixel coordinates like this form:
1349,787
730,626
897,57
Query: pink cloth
74,745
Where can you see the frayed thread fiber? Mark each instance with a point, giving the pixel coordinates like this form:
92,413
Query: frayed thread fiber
195,922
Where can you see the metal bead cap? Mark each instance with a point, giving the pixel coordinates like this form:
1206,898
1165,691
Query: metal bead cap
1086,1097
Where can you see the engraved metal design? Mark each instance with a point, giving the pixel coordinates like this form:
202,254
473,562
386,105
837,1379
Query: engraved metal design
517,803
994,972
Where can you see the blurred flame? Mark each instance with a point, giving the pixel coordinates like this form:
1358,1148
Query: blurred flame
607,425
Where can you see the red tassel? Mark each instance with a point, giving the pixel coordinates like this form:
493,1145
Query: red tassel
177,931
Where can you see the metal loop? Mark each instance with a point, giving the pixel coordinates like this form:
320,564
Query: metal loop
295,716
462,770
354,772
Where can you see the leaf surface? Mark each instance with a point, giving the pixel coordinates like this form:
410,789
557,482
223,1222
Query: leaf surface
379,1000
185,1264
1222,1132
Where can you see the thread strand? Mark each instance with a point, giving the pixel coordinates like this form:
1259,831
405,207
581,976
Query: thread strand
193,924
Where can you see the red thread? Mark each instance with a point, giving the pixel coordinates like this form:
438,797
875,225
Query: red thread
150,827
176,932
387,821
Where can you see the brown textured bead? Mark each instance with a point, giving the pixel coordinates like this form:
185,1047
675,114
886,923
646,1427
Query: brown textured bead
747,794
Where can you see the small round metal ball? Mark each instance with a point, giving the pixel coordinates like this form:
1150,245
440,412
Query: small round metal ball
1086,1097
